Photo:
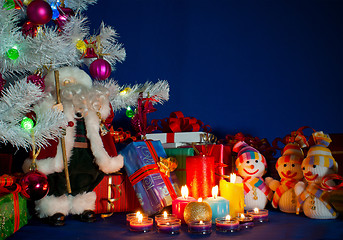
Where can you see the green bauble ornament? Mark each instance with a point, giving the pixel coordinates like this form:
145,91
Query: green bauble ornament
27,123
13,53
129,112
9,4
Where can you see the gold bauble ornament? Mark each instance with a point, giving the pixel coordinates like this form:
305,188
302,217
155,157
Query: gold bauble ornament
27,2
197,211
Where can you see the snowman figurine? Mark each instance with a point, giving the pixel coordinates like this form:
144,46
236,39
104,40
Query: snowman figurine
317,164
251,166
288,167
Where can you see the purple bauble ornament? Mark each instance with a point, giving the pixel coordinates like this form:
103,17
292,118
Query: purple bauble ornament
39,12
29,29
65,14
100,69
34,185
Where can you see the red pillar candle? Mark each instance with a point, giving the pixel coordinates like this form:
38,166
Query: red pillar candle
179,204
200,175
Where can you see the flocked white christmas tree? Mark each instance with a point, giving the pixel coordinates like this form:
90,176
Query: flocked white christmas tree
40,36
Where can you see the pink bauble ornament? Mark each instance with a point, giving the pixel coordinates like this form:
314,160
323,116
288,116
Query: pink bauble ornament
100,69
39,12
29,29
34,185
65,14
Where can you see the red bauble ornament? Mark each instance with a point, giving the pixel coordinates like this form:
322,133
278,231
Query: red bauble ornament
65,14
100,69
34,185
39,12
37,79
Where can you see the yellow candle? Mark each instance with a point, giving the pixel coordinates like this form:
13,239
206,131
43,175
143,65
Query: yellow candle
234,193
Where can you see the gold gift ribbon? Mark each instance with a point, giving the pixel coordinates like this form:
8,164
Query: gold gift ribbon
110,200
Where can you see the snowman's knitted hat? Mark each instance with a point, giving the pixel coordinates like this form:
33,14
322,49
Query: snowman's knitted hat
291,153
246,152
319,154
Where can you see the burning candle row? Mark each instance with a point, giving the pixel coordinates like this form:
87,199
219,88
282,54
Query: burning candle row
170,224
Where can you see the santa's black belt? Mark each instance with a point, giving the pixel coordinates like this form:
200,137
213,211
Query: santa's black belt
81,145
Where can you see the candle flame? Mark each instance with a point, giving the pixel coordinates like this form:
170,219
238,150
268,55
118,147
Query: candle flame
165,214
201,222
184,192
215,191
140,218
242,216
232,178
200,200
228,218
138,213
256,210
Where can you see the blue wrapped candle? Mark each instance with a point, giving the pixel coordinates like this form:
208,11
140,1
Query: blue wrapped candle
219,205
154,189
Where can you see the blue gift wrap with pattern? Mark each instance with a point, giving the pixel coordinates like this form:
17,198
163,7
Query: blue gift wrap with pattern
154,189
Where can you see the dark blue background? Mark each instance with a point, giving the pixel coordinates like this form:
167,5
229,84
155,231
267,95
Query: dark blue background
262,67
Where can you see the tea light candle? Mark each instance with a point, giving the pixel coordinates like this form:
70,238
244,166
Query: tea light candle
171,226
200,227
141,224
219,205
234,193
245,221
179,204
259,215
131,216
226,224
164,217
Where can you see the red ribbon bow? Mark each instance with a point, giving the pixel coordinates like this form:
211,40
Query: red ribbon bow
120,136
177,122
8,184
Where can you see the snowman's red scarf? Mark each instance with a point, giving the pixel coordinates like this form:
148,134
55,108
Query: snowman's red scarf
285,185
249,183
314,190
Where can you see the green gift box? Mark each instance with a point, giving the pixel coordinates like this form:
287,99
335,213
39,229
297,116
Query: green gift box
180,154
13,214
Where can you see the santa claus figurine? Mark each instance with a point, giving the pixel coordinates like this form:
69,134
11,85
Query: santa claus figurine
89,148
251,166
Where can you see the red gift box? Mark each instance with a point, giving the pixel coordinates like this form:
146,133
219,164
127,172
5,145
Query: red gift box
115,194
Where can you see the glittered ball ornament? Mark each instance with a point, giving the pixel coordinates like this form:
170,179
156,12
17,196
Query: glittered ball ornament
100,69
197,211
29,29
36,79
39,12
34,185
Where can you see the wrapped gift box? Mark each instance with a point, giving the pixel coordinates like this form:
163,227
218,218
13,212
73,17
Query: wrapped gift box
178,137
13,213
175,145
154,189
180,154
115,194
